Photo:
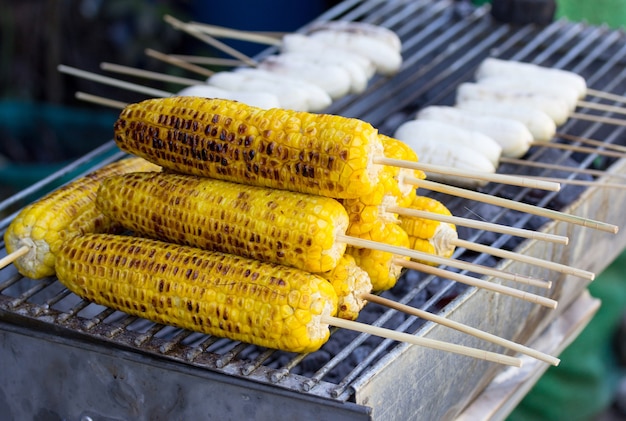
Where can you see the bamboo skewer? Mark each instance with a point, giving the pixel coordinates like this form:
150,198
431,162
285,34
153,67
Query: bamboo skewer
479,283
459,264
602,107
131,71
209,61
505,254
95,99
599,119
584,149
606,95
592,142
177,62
444,321
420,341
479,175
565,168
178,24
11,257
480,225
224,32
113,82
511,204
593,183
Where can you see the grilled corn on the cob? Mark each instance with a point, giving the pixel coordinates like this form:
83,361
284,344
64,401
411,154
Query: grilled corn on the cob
380,265
68,211
321,154
215,293
365,211
350,283
428,235
294,229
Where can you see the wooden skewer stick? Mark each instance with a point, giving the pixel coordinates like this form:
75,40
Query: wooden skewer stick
95,99
565,168
12,257
444,321
209,61
479,175
594,183
575,148
601,107
606,95
420,341
177,62
505,254
598,119
223,32
511,204
131,71
479,283
113,82
592,142
480,225
426,257
178,24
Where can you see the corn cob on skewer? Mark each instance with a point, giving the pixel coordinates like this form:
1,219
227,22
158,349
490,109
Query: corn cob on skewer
352,284
379,264
312,153
294,229
40,228
210,292
428,235
218,294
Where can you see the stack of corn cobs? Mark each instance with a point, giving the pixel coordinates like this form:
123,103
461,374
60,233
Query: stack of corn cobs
238,217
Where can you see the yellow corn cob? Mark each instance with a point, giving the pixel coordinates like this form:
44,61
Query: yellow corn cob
380,265
321,154
350,283
364,211
214,293
427,235
66,212
396,149
294,229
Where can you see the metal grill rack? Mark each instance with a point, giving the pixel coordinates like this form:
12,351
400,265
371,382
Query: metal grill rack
82,361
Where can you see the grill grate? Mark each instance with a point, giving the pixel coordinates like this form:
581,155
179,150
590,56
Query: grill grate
443,42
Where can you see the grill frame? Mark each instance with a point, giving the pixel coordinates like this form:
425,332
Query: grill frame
400,381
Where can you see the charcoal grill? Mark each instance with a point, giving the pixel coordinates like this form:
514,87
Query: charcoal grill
64,358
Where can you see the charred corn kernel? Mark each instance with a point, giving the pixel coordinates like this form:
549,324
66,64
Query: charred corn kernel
209,292
350,283
365,211
68,211
380,265
428,235
321,154
279,226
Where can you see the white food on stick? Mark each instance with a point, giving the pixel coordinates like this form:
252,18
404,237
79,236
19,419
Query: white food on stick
538,123
334,79
514,69
292,94
511,135
387,60
449,154
361,68
369,30
414,131
557,109
533,85
263,100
